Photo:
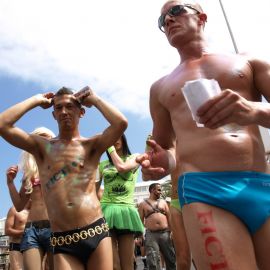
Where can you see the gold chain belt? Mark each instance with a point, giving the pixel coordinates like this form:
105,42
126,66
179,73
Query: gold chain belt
77,236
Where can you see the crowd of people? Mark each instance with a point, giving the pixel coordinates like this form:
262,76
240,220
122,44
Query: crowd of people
218,217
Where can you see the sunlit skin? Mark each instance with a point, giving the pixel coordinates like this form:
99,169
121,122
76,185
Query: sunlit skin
14,228
67,164
241,151
37,210
243,80
156,221
14,225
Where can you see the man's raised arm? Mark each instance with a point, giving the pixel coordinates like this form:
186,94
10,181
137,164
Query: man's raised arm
118,122
9,117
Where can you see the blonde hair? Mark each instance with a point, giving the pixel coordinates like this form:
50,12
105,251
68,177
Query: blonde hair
28,163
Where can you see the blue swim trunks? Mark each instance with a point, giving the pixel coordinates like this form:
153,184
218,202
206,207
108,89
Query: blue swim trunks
245,194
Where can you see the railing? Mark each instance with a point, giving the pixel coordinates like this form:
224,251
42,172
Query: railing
4,256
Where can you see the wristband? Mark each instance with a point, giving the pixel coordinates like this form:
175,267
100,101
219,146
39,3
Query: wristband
111,149
171,161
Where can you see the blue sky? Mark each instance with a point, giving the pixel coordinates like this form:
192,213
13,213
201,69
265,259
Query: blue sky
113,46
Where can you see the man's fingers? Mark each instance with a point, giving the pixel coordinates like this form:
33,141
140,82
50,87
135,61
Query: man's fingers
152,173
49,95
141,158
83,93
151,143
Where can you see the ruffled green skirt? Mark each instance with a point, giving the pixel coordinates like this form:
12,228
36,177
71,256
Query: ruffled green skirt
122,217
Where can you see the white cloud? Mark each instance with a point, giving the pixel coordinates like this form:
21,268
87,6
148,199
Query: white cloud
115,46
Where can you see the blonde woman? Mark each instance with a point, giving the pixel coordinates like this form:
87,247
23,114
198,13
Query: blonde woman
36,238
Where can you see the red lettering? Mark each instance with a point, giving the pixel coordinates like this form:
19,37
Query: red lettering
219,266
212,241
213,245
206,219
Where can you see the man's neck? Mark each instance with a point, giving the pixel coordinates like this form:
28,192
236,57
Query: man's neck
193,50
69,135
152,197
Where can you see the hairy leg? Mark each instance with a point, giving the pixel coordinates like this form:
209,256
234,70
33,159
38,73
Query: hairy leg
64,261
16,260
182,251
261,240
126,251
48,261
102,257
218,239
32,259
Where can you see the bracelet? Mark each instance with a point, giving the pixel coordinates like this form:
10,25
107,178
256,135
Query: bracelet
111,149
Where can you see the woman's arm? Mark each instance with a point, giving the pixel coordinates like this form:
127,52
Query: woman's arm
120,165
19,199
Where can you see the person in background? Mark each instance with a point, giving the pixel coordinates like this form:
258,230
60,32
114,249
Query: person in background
36,238
120,173
139,251
14,228
154,213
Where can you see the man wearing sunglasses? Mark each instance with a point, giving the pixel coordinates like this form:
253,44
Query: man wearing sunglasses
224,183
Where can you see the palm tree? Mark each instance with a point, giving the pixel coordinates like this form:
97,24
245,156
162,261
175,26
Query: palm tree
166,188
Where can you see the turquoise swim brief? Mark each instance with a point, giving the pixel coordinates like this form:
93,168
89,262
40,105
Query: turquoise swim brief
245,194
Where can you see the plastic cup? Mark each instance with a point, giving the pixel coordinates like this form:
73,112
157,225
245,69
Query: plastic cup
197,92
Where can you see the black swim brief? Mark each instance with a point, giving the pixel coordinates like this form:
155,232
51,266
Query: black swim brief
80,242
14,246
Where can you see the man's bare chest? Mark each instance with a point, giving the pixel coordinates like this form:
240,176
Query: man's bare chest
235,75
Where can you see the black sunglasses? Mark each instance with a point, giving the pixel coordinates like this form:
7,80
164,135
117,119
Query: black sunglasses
177,10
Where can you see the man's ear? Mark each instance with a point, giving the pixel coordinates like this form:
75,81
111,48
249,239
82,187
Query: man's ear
53,114
203,18
82,112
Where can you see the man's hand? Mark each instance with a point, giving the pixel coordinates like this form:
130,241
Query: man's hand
45,100
154,163
86,97
227,107
11,174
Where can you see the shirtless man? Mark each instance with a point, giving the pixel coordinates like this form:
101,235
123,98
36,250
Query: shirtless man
14,228
67,167
223,185
154,213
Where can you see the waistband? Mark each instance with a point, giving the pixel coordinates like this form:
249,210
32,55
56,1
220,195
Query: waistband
39,224
158,231
73,236
250,174
14,246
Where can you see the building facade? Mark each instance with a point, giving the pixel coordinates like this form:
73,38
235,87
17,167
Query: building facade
3,245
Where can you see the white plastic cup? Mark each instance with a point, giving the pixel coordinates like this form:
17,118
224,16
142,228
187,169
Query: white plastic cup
197,92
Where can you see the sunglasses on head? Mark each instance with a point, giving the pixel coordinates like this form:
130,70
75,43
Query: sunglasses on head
177,10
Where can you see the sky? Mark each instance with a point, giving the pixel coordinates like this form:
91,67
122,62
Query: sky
115,47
